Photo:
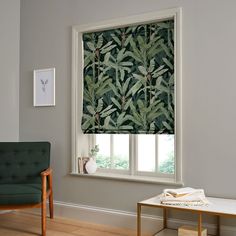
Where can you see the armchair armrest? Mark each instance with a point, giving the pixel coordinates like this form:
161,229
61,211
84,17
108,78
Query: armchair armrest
46,176
46,172
47,192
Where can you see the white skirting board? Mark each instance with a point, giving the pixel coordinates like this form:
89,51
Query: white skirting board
5,211
123,219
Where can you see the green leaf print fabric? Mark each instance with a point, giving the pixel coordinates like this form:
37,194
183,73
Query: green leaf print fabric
129,80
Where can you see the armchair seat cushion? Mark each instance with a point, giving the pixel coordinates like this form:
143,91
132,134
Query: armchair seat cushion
17,194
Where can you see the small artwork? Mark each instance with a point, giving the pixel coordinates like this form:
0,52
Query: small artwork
44,87
81,164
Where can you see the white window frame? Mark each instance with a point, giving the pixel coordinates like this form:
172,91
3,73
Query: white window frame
133,160
148,173
92,142
79,141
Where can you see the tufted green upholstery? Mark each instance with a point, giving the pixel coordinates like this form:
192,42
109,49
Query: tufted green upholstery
22,162
26,177
20,166
17,194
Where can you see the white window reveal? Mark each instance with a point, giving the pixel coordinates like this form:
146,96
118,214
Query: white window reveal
126,96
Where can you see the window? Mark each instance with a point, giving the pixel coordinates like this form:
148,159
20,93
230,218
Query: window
142,155
113,151
149,155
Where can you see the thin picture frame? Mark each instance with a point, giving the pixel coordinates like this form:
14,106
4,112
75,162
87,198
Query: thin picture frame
44,87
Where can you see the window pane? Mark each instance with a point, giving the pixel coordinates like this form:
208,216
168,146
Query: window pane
146,152
121,151
166,154
103,156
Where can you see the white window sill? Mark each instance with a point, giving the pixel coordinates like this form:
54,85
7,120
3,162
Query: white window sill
130,178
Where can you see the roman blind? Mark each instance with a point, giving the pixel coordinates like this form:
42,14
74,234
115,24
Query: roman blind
129,83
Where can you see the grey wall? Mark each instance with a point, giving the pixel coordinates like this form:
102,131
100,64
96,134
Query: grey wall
209,82
9,69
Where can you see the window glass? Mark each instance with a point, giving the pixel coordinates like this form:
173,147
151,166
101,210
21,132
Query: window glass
121,151
166,153
146,152
103,157
154,153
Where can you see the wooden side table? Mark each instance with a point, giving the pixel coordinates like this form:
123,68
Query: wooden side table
218,207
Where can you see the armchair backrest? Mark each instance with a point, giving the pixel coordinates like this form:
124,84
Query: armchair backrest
22,162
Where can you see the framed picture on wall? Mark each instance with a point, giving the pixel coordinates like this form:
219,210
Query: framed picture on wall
44,87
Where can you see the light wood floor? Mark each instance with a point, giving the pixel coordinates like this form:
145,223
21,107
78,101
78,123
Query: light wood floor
20,223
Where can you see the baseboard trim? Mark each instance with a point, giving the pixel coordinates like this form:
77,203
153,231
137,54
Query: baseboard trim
124,219
5,211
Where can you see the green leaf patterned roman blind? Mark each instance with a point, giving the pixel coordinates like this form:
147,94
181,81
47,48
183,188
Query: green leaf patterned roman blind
129,79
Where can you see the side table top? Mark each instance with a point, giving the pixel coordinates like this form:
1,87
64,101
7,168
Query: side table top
218,206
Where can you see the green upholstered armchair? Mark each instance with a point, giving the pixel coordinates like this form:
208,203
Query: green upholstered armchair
25,177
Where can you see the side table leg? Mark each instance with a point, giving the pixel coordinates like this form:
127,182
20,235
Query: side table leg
164,218
200,224
218,226
139,219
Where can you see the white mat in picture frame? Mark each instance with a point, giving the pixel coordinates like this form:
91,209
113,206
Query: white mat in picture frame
44,87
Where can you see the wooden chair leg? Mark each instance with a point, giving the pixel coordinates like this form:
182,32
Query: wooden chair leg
44,175
50,196
44,205
51,205
43,217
